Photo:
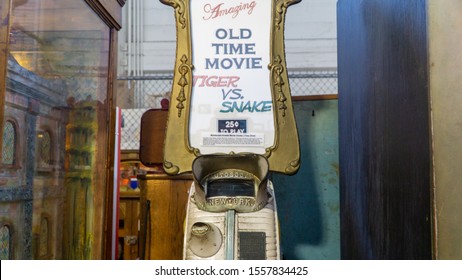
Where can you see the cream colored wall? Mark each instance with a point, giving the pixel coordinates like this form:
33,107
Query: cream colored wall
445,48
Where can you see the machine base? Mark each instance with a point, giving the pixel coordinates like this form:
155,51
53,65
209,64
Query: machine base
241,236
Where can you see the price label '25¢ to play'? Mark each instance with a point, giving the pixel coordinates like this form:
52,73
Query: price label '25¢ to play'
232,126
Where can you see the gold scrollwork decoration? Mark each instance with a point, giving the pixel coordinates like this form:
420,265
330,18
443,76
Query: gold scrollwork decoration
183,69
179,7
170,167
281,7
195,151
277,69
284,154
293,167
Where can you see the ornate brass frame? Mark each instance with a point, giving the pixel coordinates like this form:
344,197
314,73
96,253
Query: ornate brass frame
284,155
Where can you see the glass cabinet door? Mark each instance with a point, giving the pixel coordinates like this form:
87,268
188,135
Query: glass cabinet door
55,137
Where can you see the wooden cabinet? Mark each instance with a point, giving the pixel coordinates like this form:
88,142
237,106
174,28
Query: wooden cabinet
163,211
129,218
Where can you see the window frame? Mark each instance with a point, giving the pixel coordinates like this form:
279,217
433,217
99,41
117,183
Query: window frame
16,161
41,164
48,254
11,233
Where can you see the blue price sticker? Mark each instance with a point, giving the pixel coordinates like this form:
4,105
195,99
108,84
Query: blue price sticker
232,126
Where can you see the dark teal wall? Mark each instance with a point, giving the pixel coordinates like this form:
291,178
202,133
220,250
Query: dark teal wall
308,202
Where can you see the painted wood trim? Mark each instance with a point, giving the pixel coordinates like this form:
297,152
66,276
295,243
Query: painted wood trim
109,199
315,97
5,23
109,11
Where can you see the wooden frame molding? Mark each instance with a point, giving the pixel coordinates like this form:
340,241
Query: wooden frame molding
284,154
315,97
5,23
109,11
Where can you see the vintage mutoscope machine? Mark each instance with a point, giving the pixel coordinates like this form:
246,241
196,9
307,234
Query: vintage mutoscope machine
230,123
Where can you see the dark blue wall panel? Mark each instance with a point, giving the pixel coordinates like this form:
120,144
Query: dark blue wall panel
384,129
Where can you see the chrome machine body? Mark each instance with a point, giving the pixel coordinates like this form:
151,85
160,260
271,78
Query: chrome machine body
232,210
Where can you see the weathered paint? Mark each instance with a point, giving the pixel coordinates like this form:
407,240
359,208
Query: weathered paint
308,202
384,129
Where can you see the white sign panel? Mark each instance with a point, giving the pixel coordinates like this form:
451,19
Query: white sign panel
231,105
